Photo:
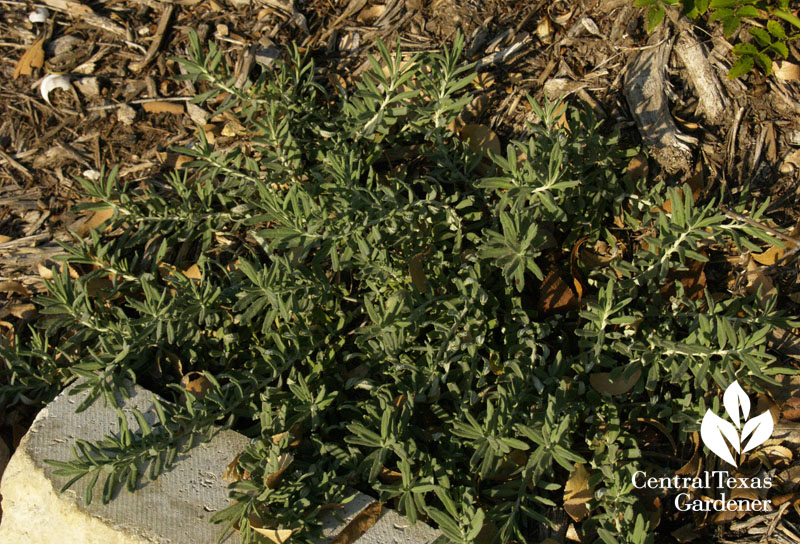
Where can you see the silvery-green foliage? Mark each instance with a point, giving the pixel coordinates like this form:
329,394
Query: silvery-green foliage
368,285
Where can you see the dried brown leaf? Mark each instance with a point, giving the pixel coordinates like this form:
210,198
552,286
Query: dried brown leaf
371,13
481,139
22,311
417,273
555,296
638,168
777,454
272,480
791,409
32,58
577,493
693,280
196,383
603,383
360,524
98,218
12,286
692,467
162,106
765,403
757,279
278,536
774,254
786,70
193,272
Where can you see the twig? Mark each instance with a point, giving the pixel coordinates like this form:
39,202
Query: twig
19,242
140,101
504,55
245,65
745,219
157,39
774,522
10,160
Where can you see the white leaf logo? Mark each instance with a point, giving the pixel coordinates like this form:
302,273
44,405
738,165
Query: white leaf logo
761,427
736,400
714,430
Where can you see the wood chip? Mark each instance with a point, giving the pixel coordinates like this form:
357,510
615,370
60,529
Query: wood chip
709,90
645,90
155,45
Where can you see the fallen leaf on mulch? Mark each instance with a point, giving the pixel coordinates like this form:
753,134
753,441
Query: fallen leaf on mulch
22,311
577,277
693,281
13,287
371,13
32,58
163,107
75,9
555,296
692,466
545,30
603,383
481,139
196,383
791,409
389,476
98,218
786,70
638,168
417,273
775,254
777,455
172,160
757,279
696,183
735,512
272,480
765,403
577,493
193,272
46,272
232,472
101,288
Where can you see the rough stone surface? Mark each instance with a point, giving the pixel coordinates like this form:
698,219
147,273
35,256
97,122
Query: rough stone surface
336,520
173,509
392,528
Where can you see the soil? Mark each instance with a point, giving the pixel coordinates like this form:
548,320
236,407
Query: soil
114,112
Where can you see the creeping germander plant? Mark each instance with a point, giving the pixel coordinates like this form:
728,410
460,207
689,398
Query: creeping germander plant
380,307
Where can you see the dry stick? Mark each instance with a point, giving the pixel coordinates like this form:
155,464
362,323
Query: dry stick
141,101
777,233
13,163
774,522
157,39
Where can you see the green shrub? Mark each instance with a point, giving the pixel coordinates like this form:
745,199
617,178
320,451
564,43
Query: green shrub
368,308
763,45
